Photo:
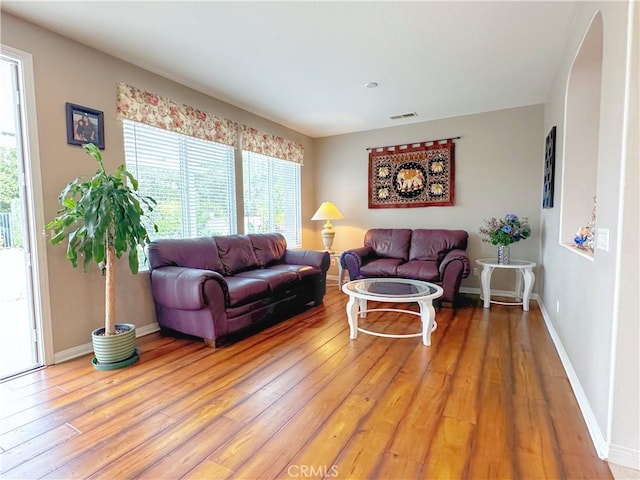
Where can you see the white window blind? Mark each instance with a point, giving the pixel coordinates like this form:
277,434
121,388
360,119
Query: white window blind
272,196
192,180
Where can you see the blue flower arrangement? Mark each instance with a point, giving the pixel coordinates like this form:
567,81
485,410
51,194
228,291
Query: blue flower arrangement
505,231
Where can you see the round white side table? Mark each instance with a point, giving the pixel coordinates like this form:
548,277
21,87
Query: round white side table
524,272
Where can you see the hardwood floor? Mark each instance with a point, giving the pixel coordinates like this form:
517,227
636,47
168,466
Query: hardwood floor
488,400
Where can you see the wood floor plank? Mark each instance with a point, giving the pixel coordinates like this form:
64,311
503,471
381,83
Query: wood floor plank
570,429
526,379
312,416
98,442
463,396
331,437
10,459
272,457
417,427
547,358
190,454
492,451
203,419
78,368
392,386
185,459
447,458
239,448
208,470
448,352
488,399
214,391
174,360
472,352
497,362
11,406
584,466
86,400
398,467
536,448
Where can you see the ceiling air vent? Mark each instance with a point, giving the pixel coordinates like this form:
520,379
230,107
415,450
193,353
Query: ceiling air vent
403,115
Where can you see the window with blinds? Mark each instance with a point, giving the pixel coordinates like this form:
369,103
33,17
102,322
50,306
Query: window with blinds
272,196
192,180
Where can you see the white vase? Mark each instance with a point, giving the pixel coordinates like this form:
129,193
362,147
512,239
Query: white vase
504,255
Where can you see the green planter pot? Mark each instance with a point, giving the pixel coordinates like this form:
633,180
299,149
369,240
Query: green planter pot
111,349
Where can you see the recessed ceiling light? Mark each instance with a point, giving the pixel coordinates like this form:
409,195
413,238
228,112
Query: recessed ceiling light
371,84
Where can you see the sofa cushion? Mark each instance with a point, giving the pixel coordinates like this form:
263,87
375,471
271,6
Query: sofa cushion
236,253
186,252
433,245
302,271
389,242
381,267
245,290
268,247
277,279
426,270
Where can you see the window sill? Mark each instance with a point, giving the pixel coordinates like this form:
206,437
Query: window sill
583,253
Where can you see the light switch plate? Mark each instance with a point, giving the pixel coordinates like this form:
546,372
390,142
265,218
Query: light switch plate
602,239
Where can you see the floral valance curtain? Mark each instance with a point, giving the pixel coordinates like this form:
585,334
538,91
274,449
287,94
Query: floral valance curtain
256,141
146,107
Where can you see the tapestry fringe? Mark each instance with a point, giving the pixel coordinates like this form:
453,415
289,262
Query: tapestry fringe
406,146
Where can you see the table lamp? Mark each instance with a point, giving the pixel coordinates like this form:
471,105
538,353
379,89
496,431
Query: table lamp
328,211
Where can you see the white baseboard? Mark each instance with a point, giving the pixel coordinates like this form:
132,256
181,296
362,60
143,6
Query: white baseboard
86,348
625,457
599,442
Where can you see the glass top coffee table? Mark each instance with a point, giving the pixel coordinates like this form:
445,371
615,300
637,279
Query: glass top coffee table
394,290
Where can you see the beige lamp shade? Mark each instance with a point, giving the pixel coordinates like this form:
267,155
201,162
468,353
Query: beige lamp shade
328,211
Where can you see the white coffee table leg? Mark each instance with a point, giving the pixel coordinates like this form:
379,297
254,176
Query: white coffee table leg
428,318
529,280
352,316
363,307
485,278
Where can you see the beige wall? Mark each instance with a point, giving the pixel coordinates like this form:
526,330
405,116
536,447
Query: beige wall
498,170
625,420
66,71
590,309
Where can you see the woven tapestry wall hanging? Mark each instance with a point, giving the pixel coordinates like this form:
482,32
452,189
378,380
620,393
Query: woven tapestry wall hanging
413,175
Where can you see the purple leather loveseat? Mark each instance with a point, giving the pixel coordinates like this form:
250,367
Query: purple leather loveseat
436,256
212,287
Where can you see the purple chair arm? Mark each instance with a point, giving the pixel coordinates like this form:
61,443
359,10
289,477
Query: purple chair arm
352,260
184,288
312,258
454,267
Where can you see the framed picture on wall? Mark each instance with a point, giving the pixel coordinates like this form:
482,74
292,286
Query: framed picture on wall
84,125
549,169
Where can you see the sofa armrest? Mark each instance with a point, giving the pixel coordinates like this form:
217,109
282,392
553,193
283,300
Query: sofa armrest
353,259
184,288
312,258
456,255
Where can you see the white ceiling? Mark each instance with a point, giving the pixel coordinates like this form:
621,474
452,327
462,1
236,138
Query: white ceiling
304,64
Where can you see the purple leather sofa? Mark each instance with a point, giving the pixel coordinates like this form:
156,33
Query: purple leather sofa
212,287
435,256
